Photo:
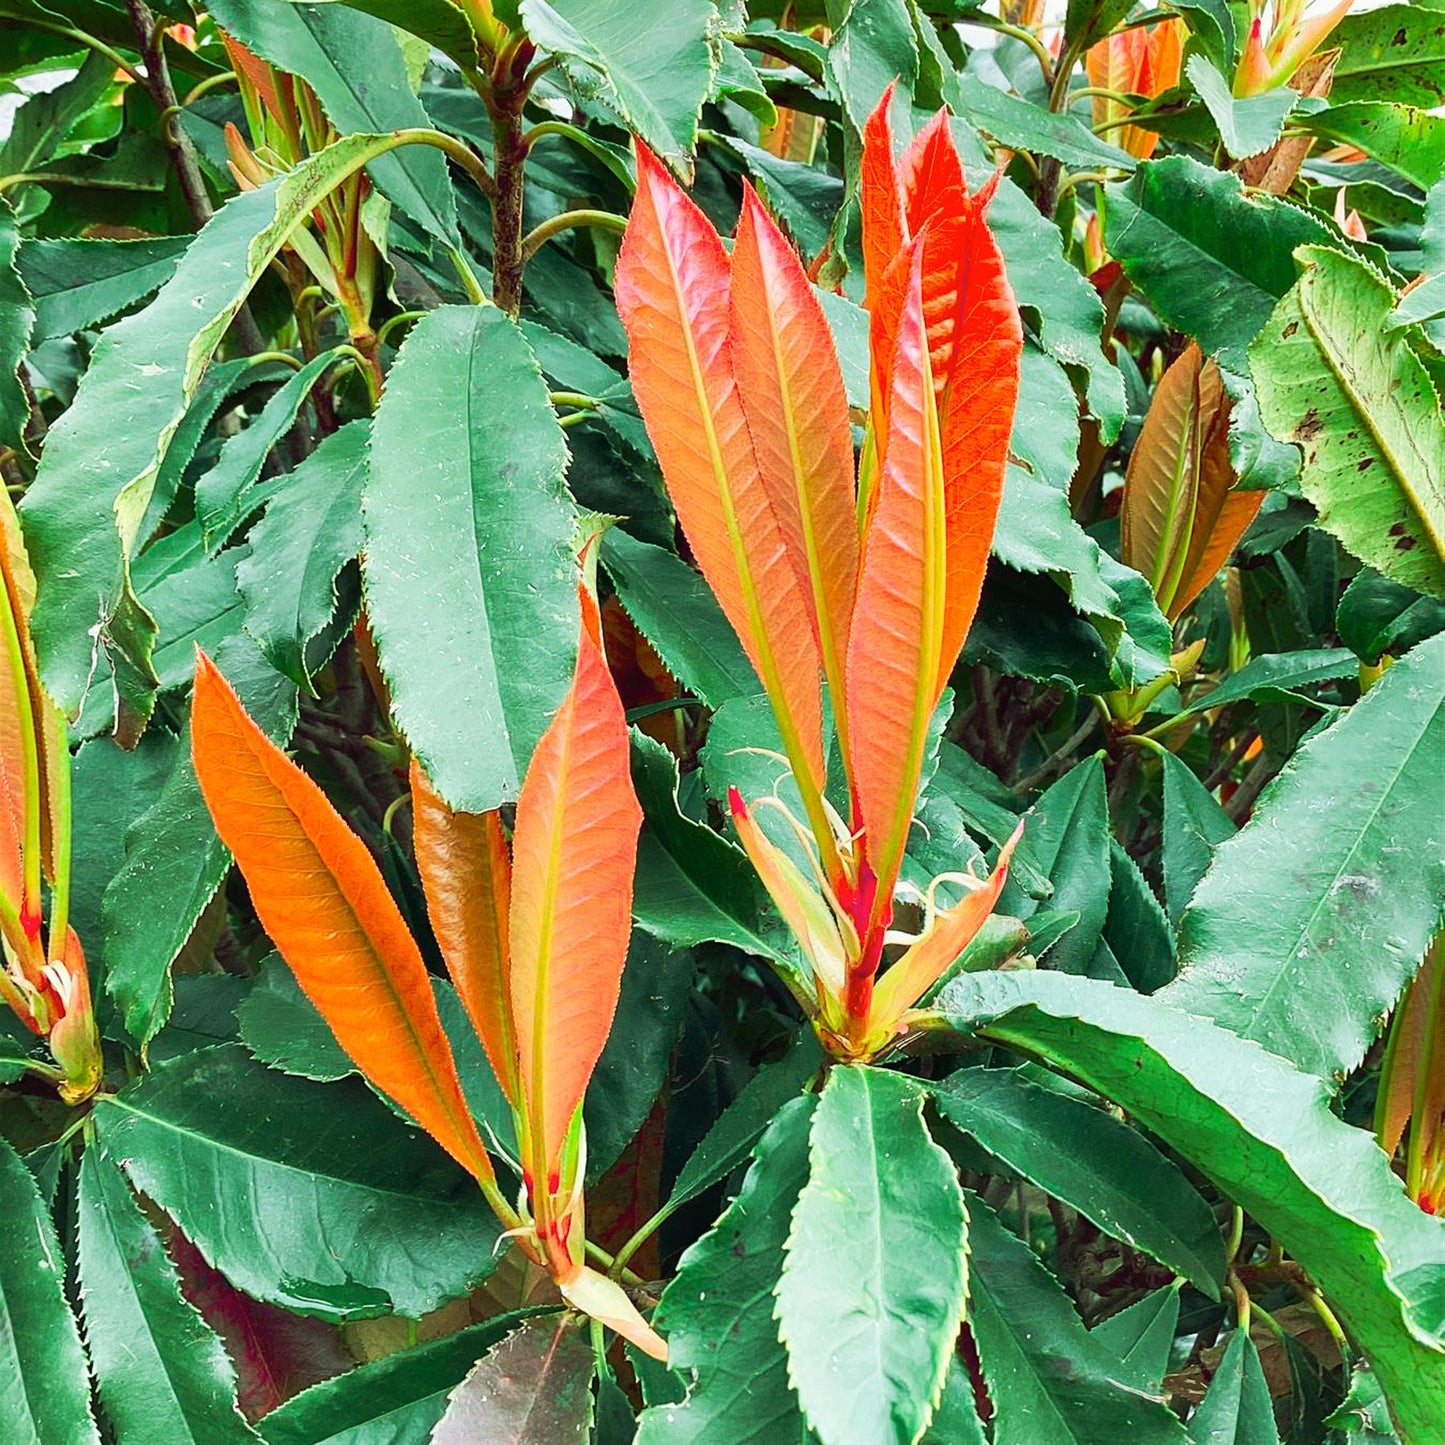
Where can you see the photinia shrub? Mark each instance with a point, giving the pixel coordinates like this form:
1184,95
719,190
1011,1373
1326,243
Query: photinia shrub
722,724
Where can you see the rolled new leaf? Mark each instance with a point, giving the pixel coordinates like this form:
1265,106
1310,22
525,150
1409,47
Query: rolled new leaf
321,898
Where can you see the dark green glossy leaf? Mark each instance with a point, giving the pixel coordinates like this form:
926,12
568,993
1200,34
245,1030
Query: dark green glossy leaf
1020,126
1048,1377
349,1212
1273,675
42,123
533,1388
875,1274
44,1385
1265,1134
1212,260
1142,1336
472,596
228,491
84,512
676,611
1377,616
1087,1158
392,1401
354,64
1136,930
717,1313
161,1372
174,862
1066,837
653,71
16,316
1314,917
311,530
693,886
281,1027
956,1421
1237,1409
1194,826
78,284
439,22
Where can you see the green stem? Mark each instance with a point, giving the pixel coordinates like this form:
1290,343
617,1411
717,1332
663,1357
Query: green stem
1018,32
567,221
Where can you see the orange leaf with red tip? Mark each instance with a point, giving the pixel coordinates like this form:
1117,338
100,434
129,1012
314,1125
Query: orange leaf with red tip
792,392
899,617
672,284
573,852
321,897
466,873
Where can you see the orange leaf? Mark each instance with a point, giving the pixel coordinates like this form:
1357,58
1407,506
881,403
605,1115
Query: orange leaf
1142,61
672,285
792,393
898,620
322,900
466,873
573,852
880,198
953,929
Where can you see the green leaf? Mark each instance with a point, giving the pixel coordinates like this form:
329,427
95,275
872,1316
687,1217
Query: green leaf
804,199
110,789
873,46
472,596
1142,1336
634,1063
1364,1414
311,530
693,886
1212,24
956,1421
349,1212
875,1276
675,610
534,1388
1018,125
161,1372
1265,1134
84,511
1247,127
354,64
1277,676
1066,838
40,126
1376,616
717,1312
1136,930
45,1395
1237,1409
192,597
1085,1157
1048,1377
16,316
174,862
1045,431
281,1027
1070,315
730,1140
1212,260
228,491
1194,826
1358,400
654,70
1410,141
439,22
1395,52
1314,917
78,284
392,1401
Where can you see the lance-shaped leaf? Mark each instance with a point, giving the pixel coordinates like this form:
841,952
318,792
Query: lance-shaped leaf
792,394
1134,62
466,873
673,281
898,620
1179,520
881,199
322,899
975,343
573,853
